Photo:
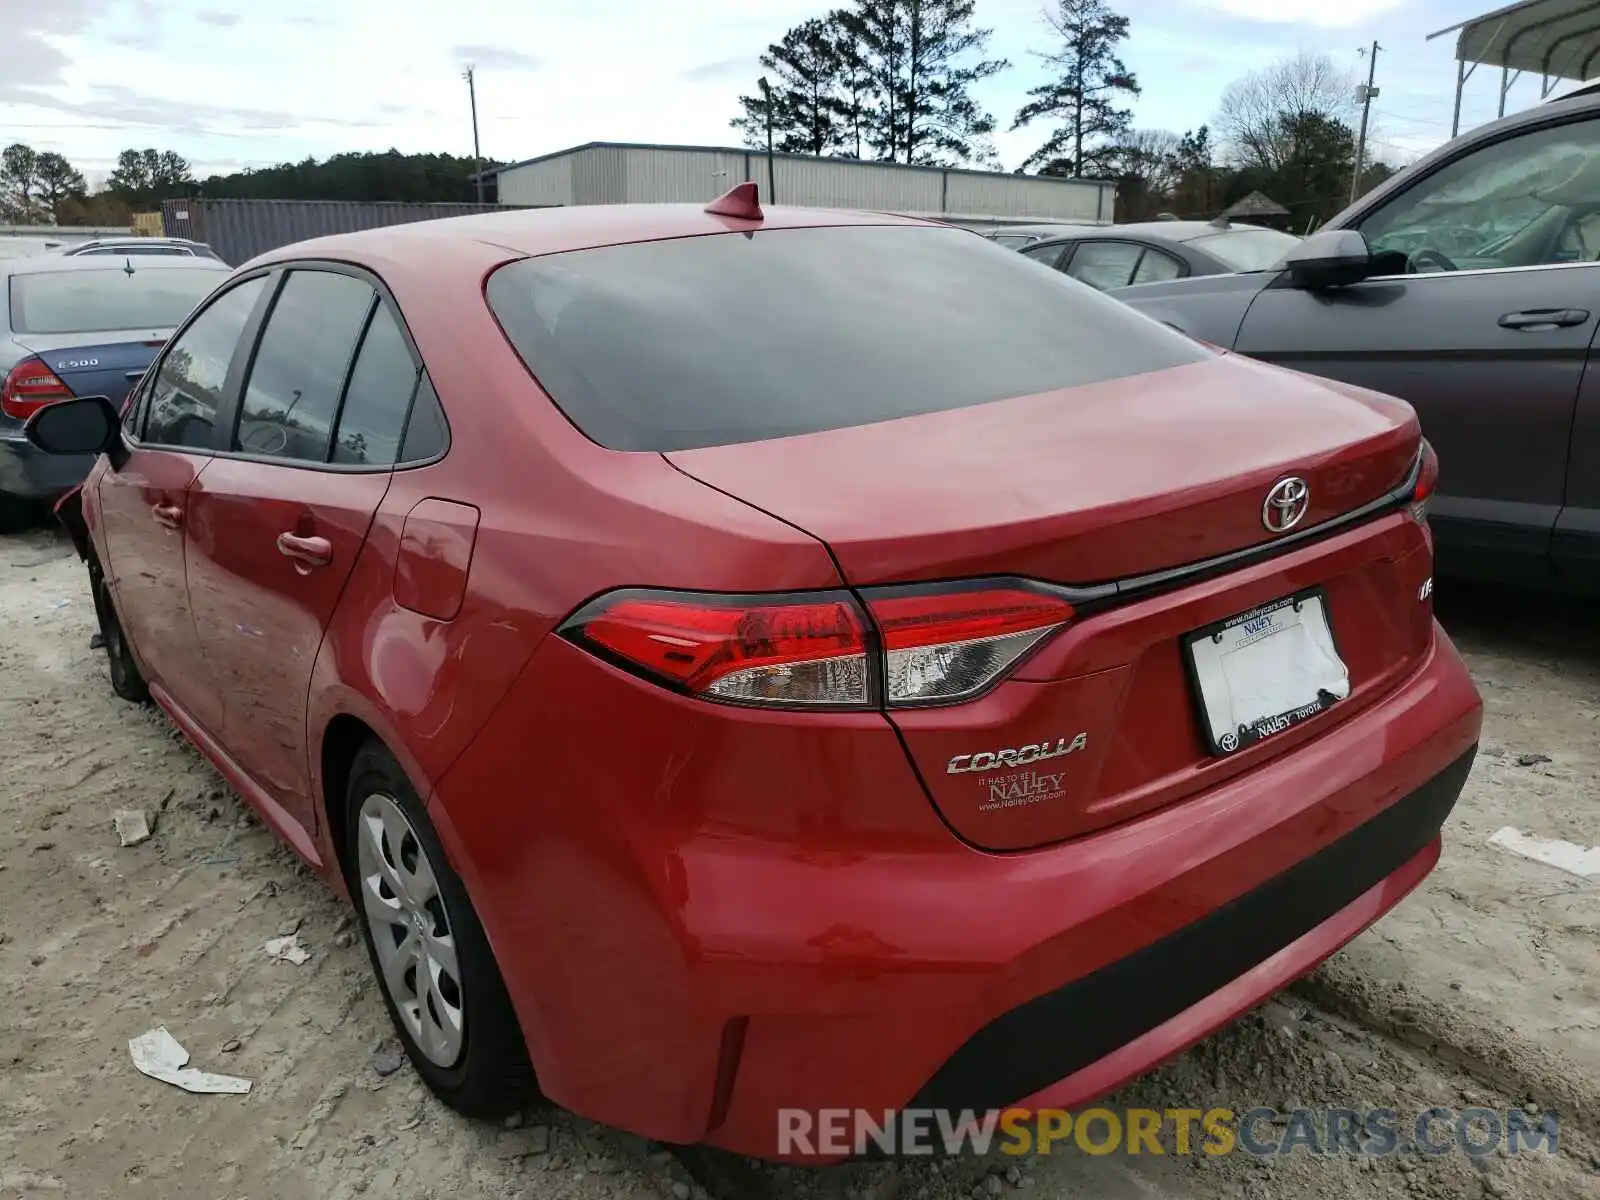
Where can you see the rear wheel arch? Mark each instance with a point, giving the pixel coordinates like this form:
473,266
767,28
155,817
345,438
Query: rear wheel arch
493,1075
341,742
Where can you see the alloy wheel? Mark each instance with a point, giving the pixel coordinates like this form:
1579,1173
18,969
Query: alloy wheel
411,933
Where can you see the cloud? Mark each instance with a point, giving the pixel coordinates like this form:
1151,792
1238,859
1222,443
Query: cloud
137,39
115,102
222,20
496,58
1306,12
725,68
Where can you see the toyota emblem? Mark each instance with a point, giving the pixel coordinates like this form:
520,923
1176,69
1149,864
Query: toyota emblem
1285,504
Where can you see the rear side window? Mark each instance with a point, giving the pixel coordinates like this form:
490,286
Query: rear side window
108,298
1156,267
427,434
706,341
374,413
1105,264
292,396
1050,256
1248,249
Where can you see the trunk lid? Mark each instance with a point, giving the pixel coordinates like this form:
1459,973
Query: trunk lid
1081,486
1093,485
97,364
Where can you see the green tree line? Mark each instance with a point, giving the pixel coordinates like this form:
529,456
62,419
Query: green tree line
42,187
892,81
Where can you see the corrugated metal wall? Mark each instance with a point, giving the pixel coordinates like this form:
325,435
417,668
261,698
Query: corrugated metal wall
834,183
676,176
1026,196
618,174
238,230
548,182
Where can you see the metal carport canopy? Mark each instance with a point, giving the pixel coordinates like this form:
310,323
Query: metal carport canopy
1558,39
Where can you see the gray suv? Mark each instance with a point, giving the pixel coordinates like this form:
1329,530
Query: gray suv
1469,285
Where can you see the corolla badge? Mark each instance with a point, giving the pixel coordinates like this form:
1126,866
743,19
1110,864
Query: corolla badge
1285,504
1018,756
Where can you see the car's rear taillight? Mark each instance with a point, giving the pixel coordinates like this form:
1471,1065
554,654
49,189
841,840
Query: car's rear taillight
29,386
806,650
1427,482
941,646
914,646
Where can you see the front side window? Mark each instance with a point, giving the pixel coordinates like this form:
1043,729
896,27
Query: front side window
1105,265
1527,200
705,341
292,395
182,401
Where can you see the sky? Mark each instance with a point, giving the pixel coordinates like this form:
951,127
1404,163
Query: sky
230,84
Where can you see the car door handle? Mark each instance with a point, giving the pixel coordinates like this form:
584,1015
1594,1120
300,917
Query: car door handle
306,552
169,515
1544,318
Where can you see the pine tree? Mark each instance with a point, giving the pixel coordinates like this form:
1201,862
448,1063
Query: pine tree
922,58
855,96
943,61
1082,98
804,68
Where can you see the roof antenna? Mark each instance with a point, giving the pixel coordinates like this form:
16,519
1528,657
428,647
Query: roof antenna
742,200
128,268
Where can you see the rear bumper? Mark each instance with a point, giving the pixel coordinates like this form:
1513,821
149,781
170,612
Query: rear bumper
1178,988
712,976
30,473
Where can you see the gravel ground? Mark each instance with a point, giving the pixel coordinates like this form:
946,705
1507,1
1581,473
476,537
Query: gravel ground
99,943
1496,956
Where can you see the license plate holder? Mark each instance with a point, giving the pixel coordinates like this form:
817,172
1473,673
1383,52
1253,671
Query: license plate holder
1261,672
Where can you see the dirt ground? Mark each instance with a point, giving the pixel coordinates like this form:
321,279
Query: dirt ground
99,943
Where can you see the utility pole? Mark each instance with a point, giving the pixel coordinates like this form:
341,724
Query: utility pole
1366,95
477,158
766,107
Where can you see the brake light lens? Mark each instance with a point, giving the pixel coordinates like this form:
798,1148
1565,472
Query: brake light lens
1427,483
803,650
919,646
29,386
940,647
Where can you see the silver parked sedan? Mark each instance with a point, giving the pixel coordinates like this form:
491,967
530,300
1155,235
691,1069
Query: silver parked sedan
1113,256
80,326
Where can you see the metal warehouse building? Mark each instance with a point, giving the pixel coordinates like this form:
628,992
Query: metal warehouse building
618,173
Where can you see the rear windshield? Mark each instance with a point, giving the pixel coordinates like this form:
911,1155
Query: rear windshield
112,299
1247,249
705,341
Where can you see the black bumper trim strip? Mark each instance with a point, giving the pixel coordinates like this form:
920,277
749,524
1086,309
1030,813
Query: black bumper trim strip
1059,1033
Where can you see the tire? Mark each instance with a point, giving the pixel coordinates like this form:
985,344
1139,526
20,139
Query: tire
461,1033
126,679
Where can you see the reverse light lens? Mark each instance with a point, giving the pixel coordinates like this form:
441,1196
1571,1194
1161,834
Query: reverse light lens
942,647
1427,483
29,386
811,651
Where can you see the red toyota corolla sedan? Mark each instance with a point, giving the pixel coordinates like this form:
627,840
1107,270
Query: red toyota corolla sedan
745,661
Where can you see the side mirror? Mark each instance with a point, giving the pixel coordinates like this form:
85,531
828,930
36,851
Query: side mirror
1330,259
86,425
